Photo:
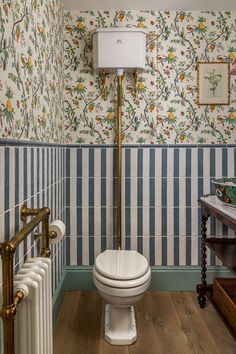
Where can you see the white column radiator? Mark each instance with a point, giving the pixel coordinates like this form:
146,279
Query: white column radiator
33,322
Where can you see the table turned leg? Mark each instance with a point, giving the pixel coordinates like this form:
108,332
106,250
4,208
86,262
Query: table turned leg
202,288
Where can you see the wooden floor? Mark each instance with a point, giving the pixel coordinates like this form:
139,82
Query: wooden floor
167,323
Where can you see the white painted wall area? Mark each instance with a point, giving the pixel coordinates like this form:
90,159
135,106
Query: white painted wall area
164,5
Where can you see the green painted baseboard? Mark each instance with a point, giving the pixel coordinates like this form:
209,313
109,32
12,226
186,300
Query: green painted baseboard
163,278
58,299
78,278
182,278
170,278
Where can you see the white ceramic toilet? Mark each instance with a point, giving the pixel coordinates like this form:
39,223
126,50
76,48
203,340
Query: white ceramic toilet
121,277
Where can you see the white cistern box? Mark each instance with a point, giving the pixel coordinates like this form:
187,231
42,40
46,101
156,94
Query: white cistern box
119,48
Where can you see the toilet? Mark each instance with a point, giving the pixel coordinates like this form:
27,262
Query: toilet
122,278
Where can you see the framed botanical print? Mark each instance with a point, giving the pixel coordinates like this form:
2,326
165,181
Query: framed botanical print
213,83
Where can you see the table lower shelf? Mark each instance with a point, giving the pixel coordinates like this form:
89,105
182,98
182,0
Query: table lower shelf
225,250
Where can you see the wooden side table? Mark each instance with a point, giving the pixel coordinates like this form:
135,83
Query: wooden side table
223,247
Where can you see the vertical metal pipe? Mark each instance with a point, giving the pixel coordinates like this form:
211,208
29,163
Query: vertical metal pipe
45,250
8,299
119,159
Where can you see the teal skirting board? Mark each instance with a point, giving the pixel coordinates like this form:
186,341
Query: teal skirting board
58,299
163,279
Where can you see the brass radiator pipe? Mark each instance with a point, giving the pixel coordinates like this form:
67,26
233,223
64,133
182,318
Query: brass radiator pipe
10,300
119,162
8,310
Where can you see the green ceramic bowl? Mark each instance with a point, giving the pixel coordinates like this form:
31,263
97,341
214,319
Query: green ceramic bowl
226,190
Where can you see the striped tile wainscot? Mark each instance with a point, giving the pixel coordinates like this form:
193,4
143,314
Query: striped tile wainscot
160,212
35,175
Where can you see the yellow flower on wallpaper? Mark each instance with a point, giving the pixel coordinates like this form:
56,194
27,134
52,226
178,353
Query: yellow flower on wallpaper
30,62
231,118
201,27
91,107
152,107
8,108
171,116
151,47
182,76
110,115
182,138
121,16
141,87
141,22
232,53
171,56
80,86
182,16
18,33
80,26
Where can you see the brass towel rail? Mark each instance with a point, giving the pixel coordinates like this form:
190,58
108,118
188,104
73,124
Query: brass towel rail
11,300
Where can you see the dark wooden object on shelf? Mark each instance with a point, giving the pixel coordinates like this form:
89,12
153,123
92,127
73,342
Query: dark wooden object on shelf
225,249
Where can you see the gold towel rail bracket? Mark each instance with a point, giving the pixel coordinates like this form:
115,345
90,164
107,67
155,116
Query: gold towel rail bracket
11,300
25,212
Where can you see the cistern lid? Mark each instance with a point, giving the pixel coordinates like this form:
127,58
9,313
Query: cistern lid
121,264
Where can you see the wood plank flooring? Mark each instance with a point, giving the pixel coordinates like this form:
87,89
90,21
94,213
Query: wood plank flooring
167,323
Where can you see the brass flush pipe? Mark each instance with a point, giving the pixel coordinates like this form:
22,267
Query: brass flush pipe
119,155
135,84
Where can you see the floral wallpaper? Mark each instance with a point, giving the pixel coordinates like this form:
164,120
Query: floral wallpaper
31,67
159,105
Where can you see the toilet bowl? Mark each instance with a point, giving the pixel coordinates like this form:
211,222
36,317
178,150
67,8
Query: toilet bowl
122,278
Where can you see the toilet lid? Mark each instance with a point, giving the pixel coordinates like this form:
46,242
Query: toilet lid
122,284
120,264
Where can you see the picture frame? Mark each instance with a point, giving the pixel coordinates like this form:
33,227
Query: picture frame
213,81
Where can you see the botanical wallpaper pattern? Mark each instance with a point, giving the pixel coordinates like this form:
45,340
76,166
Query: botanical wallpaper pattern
160,106
31,68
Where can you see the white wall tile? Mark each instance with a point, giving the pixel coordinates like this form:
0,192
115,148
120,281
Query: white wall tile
146,162
182,162
11,177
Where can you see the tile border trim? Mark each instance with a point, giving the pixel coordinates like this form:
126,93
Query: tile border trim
15,142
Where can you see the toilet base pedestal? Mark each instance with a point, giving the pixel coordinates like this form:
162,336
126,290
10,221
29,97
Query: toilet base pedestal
120,326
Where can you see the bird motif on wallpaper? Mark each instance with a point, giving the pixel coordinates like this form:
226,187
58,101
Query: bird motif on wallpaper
191,89
222,58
